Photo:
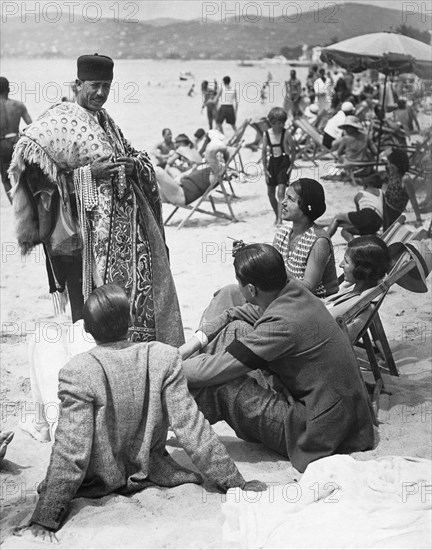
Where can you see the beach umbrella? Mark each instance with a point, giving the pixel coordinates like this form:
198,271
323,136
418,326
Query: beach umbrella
387,52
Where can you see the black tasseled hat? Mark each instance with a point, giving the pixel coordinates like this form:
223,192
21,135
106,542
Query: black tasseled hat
95,67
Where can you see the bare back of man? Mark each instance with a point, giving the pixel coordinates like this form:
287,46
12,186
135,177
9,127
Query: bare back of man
11,113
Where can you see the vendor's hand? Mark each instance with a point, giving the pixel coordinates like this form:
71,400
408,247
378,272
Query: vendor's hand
418,223
37,531
128,163
254,486
104,168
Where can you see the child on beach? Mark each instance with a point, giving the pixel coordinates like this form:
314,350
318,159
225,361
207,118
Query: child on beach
368,216
278,154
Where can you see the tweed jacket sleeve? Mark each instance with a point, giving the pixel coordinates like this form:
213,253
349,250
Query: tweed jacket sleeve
195,433
71,451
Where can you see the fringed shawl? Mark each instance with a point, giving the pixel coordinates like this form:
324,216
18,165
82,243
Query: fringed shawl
124,230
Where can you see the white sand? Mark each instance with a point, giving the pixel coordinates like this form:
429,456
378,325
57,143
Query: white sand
188,516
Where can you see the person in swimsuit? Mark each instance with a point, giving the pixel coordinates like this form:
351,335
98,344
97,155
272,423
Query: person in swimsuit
189,186
368,216
11,113
278,154
400,189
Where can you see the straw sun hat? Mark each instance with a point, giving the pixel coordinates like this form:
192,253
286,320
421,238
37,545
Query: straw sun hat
351,121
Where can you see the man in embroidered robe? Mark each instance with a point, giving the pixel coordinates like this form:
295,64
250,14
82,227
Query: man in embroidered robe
279,370
93,201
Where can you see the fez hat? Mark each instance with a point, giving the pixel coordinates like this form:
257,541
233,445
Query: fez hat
415,279
95,67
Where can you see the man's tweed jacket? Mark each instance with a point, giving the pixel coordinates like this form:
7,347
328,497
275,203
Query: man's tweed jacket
117,401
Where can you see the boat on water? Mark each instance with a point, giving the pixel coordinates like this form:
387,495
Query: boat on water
186,75
300,63
244,63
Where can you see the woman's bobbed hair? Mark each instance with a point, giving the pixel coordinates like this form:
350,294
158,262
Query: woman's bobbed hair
106,314
312,197
370,257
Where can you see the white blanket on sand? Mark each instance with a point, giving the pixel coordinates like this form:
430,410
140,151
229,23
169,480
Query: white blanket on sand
338,503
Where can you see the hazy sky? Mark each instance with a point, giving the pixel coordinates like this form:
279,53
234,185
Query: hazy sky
189,9
193,9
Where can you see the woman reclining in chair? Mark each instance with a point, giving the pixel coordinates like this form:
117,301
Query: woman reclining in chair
189,186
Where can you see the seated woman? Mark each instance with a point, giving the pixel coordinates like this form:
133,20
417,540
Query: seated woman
354,146
365,263
306,249
400,189
366,219
189,186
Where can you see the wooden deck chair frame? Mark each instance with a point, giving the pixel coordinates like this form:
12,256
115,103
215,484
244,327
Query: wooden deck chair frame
372,334
375,340
236,140
355,168
313,149
218,185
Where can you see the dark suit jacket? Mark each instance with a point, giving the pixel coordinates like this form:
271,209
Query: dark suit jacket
116,403
296,339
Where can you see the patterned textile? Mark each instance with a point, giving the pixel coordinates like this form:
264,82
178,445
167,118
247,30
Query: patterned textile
125,241
296,260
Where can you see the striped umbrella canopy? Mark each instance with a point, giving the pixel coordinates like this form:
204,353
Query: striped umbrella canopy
387,52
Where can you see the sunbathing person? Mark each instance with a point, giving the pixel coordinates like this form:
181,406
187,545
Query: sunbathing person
354,146
368,216
400,189
117,401
189,186
163,149
184,156
279,370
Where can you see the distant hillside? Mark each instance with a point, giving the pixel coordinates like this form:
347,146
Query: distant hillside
165,38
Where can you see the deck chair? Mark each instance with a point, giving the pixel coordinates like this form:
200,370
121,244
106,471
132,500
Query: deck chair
357,170
364,328
313,148
236,140
218,185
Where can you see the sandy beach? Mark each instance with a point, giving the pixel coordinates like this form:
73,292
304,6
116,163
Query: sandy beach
189,516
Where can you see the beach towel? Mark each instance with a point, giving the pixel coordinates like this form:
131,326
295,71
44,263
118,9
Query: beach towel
339,503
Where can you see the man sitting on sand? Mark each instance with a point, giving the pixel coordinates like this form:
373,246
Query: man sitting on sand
279,370
189,186
117,401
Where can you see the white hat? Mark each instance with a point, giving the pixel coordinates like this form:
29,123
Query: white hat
347,106
351,121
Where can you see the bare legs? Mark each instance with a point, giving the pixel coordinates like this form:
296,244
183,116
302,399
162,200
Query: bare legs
170,190
276,201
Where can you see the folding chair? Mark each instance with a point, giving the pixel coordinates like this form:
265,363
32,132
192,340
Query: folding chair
218,185
363,326
236,140
355,170
313,149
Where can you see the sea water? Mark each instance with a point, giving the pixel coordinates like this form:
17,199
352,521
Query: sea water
148,95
